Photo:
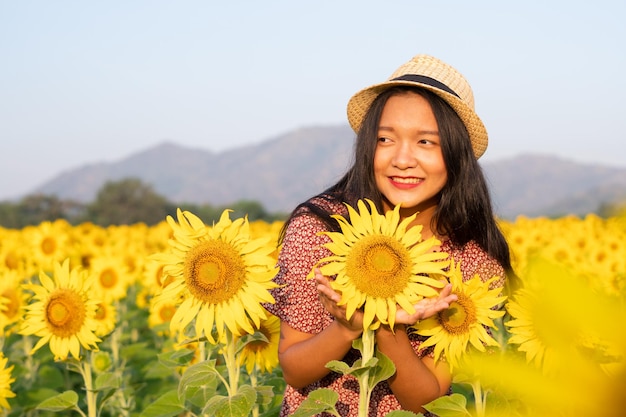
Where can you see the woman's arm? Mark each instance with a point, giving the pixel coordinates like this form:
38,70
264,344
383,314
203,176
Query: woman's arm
417,381
303,356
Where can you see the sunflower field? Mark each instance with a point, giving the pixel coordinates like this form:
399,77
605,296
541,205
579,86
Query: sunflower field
102,321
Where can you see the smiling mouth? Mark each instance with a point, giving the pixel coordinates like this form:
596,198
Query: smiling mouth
411,180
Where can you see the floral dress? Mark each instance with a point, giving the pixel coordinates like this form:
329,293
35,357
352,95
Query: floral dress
297,304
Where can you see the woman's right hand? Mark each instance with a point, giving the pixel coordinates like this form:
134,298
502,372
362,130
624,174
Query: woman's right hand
329,299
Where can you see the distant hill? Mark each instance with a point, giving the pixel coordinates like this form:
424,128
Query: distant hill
283,171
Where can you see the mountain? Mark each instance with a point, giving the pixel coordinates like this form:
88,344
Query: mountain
279,172
540,185
283,171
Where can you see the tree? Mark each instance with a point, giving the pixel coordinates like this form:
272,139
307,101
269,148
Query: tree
127,201
36,208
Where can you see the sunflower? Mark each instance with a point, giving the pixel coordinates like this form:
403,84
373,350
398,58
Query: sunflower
221,273
5,382
112,276
161,313
63,313
379,263
12,299
547,322
49,242
466,320
106,318
263,354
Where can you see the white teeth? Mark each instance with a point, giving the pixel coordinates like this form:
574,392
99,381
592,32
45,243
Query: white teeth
407,180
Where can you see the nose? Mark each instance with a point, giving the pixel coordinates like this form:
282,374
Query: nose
404,157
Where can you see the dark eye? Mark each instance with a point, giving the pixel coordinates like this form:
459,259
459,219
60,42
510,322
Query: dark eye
383,140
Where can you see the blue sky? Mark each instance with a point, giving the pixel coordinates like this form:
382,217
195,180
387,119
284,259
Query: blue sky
86,82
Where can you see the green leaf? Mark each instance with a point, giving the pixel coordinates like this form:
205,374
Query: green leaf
167,405
50,376
356,369
265,394
383,371
33,397
107,380
64,401
195,377
176,358
339,367
454,405
321,400
239,405
249,338
137,351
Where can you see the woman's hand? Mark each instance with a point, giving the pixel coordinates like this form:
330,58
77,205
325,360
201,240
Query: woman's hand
427,307
329,299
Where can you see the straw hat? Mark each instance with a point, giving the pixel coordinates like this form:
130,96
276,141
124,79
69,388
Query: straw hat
432,74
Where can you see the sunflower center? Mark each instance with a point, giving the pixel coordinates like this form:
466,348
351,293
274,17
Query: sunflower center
11,308
65,313
460,316
11,260
108,278
214,271
101,312
259,345
48,245
166,313
379,266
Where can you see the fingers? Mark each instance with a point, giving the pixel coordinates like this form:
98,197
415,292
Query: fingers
324,288
446,295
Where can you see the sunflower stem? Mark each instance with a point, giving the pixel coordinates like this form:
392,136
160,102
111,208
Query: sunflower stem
479,399
89,388
29,362
367,353
254,382
230,357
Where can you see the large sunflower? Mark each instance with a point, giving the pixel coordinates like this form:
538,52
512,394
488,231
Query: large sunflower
221,274
466,320
63,313
380,264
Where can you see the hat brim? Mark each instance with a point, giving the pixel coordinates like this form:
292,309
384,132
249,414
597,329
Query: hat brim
360,103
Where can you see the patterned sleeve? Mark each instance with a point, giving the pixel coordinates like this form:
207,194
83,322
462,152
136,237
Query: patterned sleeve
296,300
475,260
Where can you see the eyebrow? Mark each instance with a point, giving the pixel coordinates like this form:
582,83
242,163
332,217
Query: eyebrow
419,132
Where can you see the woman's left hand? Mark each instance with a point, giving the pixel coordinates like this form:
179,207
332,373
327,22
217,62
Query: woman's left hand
427,307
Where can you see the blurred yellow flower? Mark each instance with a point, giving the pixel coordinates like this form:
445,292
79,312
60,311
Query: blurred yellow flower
49,242
260,353
111,276
63,313
380,264
5,382
106,318
12,300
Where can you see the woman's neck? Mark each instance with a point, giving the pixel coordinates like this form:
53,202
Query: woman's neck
423,218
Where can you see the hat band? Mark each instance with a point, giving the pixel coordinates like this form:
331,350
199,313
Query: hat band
422,79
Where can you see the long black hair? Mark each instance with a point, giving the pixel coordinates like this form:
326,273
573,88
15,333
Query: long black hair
464,211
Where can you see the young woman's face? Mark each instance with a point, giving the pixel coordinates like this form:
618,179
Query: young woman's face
408,162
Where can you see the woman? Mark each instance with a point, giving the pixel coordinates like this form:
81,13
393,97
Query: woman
418,141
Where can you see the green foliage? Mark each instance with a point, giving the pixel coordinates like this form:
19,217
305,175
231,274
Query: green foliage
122,202
127,201
321,400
